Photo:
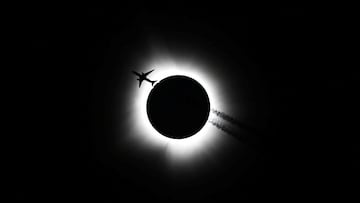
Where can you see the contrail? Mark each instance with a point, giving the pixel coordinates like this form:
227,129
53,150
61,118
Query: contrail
231,126
232,120
227,130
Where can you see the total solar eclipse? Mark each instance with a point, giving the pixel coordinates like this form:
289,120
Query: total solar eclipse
178,107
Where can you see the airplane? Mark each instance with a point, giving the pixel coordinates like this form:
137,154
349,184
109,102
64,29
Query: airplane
143,77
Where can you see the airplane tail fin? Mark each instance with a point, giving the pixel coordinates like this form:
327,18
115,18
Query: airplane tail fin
152,82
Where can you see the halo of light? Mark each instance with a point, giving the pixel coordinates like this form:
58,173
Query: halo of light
181,150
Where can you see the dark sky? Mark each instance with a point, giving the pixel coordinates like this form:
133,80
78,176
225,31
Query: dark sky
74,52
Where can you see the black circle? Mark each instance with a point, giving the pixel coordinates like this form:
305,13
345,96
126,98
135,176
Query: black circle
178,107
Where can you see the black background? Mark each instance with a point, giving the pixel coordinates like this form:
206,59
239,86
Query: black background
69,100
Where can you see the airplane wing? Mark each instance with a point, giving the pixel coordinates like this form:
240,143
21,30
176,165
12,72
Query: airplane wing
148,72
138,74
140,81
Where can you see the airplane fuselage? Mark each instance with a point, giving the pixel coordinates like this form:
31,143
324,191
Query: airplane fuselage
143,77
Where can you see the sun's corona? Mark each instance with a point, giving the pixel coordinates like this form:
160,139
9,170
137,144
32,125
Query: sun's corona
143,131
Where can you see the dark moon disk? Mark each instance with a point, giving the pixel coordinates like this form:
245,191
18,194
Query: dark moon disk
178,107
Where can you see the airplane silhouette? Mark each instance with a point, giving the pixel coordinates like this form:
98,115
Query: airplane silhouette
143,77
